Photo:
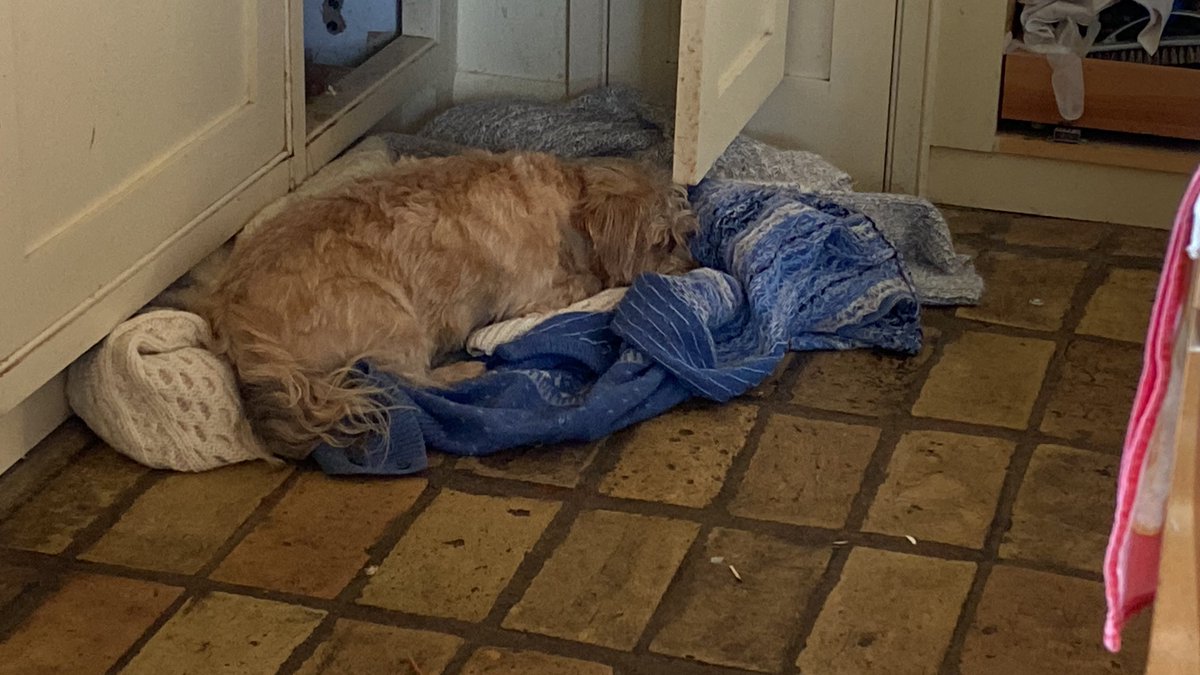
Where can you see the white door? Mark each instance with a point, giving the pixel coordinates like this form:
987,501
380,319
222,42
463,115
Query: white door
731,57
121,123
836,91
809,74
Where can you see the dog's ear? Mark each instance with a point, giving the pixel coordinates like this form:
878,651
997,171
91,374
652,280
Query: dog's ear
622,211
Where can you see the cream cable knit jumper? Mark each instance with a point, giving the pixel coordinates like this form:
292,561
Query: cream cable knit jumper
153,391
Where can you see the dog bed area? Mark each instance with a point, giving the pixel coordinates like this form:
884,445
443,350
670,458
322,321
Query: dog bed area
792,260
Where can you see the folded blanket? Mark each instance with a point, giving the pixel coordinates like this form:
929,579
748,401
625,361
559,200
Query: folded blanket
785,271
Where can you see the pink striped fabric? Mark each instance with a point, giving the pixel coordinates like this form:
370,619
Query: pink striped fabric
1131,563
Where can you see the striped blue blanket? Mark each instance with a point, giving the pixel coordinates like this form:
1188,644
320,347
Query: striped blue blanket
784,270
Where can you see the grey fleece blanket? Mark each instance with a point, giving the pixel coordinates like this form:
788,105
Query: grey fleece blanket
617,122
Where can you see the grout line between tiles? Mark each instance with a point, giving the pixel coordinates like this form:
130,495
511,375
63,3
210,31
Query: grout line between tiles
387,540
304,651
95,530
672,603
740,464
43,475
21,607
147,635
256,517
813,606
1027,442
552,537
873,477
461,656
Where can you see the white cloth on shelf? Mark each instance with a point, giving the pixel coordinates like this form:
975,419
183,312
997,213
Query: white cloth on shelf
1064,31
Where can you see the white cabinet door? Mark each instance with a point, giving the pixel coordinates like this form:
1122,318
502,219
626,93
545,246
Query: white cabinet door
836,93
121,123
731,57
811,74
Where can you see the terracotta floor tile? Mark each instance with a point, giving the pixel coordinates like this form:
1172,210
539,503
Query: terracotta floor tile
805,472
315,540
743,624
85,626
14,579
84,490
1141,242
360,648
941,487
458,555
682,457
1120,308
1090,402
890,612
1025,292
602,584
223,633
861,381
560,465
1064,509
985,378
1036,623
493,661
26,477
180,522
1054,233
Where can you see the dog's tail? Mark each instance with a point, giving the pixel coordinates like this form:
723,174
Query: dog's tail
291,406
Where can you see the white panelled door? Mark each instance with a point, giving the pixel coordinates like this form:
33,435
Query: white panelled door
810,74
836,90
731,57
120,124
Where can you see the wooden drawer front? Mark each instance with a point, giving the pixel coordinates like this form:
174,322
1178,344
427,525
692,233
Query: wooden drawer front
1128,97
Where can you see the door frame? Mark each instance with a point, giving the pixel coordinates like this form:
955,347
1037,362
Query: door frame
907,152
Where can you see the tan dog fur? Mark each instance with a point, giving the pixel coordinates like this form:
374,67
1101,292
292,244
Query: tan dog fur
401,267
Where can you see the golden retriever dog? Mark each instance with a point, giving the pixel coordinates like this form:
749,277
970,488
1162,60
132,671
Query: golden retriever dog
400,267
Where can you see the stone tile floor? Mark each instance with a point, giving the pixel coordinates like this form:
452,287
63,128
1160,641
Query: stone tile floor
860,513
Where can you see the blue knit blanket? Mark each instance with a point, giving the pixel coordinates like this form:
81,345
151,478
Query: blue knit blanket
784,270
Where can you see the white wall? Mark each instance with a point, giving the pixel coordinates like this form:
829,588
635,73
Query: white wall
835,96
644,46
837,86
545,49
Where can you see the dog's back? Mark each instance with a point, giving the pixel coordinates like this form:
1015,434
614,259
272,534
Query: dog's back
395,269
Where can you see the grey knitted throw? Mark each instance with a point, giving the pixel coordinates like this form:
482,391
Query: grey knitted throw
617,122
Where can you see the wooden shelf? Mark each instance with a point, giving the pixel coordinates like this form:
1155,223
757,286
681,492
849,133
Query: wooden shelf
1126,97
366,94
364,80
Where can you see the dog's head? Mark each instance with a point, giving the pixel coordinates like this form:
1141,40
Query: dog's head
636,218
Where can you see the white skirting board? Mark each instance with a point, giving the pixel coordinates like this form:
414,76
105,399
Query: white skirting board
32,420
1072,190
